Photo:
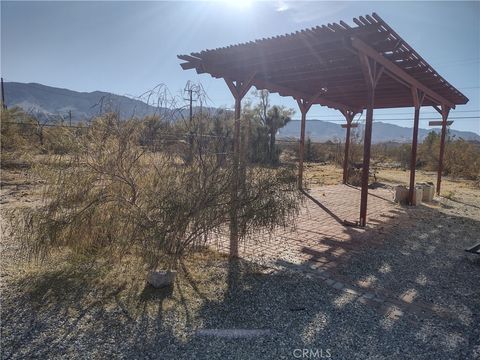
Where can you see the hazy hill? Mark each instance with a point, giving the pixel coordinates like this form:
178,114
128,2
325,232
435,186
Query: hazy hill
321,131
42,100
46,100
56,102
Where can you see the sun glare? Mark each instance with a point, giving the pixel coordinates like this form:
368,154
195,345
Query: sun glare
241,4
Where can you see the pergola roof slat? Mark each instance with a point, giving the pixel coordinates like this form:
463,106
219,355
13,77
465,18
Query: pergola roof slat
325,57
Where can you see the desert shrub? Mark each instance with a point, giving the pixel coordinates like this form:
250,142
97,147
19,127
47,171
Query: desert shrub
17,131
329,151
115,197
61,140
399,154
462,158
24,134
271,199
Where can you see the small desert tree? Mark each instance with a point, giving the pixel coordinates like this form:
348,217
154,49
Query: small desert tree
113,197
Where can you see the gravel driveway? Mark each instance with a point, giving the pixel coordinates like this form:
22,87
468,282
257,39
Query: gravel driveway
79,311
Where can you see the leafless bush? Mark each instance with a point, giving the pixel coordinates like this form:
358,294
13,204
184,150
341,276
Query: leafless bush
115,197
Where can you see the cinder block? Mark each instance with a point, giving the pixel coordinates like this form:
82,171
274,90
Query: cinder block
417,195
428,191
401,194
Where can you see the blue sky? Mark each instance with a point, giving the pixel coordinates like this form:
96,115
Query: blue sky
129,47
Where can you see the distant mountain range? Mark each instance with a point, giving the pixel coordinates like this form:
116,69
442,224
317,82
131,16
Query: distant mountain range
56,103
321,131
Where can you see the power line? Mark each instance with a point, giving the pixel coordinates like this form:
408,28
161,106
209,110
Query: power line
408,113
403,119
4,106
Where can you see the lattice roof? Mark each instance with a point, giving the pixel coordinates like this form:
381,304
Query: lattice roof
322,62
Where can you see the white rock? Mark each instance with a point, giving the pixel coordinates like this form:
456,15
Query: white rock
428,191
401,194
417,195
161,278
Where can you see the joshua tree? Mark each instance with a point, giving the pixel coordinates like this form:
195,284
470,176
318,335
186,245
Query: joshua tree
273,118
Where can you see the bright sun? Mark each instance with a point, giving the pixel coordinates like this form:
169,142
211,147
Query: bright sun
239,3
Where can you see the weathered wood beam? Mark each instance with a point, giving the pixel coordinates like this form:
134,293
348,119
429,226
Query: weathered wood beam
439,123
439,110
349,115
303,110
372,72
191,63
391,67
445,112
346,126
288,72
286,91
328,77
280,64
238,89
304,105
283,90
417,97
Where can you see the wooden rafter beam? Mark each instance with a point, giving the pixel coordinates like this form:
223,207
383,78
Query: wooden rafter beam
309,56
285,69
287,91
397,71
438,109
439,123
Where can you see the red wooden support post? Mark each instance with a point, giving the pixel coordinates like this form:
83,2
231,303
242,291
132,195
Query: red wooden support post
345,160
349,117
301,150
234,189
366,158
245,87
445,111
372,74
304,106
239,90
417,101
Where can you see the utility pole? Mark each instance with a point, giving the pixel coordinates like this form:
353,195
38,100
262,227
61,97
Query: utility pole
4,106
70,117
190,91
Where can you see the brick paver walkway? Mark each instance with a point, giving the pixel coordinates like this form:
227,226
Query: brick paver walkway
320,238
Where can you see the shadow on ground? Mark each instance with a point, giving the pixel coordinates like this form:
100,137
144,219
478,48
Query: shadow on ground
419,258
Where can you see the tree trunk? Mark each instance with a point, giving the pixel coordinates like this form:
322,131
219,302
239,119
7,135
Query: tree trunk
40,136
272,147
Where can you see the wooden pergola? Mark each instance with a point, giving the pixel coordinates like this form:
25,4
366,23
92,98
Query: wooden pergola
347,68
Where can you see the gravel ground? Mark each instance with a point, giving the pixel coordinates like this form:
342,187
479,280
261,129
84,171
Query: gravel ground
79,320
85,310
67,314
